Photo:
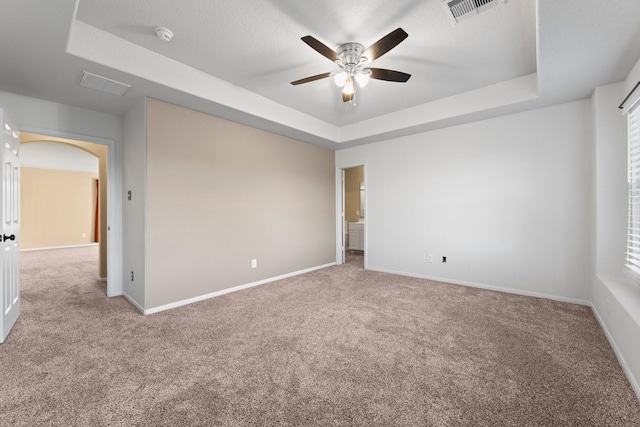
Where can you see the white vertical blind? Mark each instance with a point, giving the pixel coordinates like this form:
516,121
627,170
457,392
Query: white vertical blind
633,233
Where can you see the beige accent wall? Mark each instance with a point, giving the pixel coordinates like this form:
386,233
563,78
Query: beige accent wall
352,179
220,194
57,208
100,151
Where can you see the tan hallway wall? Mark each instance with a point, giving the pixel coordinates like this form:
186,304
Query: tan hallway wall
57,208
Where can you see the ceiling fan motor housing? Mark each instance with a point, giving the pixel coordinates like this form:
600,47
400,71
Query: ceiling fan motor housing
351,54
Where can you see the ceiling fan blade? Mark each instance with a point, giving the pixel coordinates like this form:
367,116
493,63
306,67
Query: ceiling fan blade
385,44
321,48
389,75
311,79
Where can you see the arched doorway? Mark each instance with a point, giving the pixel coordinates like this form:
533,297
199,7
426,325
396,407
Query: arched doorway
100,152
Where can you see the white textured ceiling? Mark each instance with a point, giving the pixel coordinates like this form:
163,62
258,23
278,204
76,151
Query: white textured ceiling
256,45
235,59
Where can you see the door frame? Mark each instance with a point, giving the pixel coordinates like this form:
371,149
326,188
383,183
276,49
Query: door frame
339,212
114,221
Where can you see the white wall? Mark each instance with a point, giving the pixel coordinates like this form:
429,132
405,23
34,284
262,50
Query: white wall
134,210
506,200
610,164
37,115
615,297
633,78
50,118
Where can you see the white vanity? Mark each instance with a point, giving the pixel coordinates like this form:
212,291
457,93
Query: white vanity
356,236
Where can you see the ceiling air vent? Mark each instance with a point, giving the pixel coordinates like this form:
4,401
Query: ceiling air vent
103,84
459,10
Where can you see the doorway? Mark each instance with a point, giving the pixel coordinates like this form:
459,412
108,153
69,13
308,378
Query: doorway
90,225
351,214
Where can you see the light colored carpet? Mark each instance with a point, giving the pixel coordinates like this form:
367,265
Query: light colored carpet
339,346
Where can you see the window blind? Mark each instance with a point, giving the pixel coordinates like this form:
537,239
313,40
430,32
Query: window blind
633,233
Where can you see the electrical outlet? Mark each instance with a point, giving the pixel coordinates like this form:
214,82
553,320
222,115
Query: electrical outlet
84,235
429,258
444,259
254,263
607,309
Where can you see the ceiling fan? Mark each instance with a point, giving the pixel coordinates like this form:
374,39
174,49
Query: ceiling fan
352,59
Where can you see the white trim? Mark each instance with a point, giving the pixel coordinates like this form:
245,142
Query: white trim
60,247
634,383
626,292
339,220
631,102
229,290
488,287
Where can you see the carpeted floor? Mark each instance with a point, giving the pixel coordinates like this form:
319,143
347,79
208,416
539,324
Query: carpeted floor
338,346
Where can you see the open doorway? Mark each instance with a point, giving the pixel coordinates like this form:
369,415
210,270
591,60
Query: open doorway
64,195
352,216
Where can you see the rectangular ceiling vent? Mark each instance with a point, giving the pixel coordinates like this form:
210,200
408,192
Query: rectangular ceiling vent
459,10
103,84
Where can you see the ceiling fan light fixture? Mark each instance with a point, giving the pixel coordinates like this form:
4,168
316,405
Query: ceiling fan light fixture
348,86
341,78
363,78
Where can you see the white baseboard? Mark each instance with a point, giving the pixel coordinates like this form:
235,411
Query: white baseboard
59,247
134,303
623,363
234,289
488,287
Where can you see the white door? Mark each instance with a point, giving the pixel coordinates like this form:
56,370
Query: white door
10,233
